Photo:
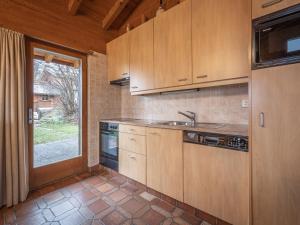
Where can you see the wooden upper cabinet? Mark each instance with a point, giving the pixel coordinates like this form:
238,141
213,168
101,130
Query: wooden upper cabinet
221,34
118,58
165,162
172,46
141,57
264,7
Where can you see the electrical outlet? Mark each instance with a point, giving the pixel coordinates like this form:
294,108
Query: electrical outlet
245,103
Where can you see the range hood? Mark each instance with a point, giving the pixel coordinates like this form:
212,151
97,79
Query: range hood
121,82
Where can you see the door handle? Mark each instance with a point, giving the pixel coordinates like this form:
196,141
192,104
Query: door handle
270,3
262,119
181,80
30,116
201,76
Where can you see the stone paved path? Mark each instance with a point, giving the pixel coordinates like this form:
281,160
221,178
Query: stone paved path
52,152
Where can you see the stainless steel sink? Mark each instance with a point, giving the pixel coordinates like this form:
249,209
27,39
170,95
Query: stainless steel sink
175,123
189,124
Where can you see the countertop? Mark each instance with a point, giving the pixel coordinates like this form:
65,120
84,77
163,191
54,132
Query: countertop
228,129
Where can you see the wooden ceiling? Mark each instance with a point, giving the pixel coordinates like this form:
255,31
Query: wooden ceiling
76,24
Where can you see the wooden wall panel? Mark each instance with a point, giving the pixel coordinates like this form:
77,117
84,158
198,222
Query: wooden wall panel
50,21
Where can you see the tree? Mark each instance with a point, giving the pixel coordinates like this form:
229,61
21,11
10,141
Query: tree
65,80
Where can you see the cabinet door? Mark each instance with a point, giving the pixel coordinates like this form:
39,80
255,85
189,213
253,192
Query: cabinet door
217,181
164,162
221,39
132,165
141,57
276,145
264,7
172,47
118,58
123,163
154,160
132,142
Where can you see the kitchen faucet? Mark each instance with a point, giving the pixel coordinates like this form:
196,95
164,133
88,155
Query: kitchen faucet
192,117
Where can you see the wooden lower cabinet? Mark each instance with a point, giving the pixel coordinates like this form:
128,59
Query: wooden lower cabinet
165,162
132,165
216,181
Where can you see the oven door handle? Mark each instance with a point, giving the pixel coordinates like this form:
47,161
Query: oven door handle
108,132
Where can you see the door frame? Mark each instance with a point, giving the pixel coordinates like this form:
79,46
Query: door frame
53,172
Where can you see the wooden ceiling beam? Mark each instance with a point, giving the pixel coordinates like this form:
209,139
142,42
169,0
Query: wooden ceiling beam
118,13
73,6
113,13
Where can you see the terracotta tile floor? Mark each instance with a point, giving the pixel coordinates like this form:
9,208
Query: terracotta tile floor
97,200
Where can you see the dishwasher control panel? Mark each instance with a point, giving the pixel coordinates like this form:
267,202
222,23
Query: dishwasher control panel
233,142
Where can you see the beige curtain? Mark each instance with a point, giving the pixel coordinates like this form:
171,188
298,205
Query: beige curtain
13,151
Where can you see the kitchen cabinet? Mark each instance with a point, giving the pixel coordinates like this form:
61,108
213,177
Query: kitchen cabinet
275,143
264,7
217,181
141,57
173,47
132,152
133,142
221,34
132,165
118,58
165,162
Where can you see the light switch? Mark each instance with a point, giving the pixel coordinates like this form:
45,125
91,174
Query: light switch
245,103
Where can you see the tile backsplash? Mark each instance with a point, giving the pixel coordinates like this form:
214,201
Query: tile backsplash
217,105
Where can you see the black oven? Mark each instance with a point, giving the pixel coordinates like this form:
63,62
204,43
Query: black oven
276,38
109,145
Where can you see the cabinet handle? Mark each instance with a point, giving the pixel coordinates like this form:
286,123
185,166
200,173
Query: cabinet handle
132,139
132,157
124,74
202,76
181,80
30,116
262,119
134,87
153,133
270,3
132,130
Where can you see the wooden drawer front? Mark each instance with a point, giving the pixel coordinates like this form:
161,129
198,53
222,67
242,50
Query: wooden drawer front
132,165
132,142
132,129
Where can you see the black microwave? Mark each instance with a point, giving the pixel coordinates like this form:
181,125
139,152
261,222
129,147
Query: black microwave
276,38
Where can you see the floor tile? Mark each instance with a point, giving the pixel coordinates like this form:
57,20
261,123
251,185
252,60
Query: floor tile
102,200
147,196
61,208
117,196
162,204
152,217
118,180
37,219
129,188
73,219
114,218
105,188
94,181
98,206
53,197
84,196
190,219
132,206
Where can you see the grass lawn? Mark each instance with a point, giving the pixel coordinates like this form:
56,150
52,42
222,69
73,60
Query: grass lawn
48,132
